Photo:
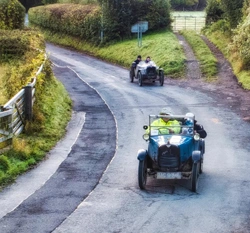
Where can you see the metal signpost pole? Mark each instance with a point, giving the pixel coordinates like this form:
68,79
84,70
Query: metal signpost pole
139,28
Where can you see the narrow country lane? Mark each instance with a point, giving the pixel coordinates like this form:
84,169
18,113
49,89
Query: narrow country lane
95,189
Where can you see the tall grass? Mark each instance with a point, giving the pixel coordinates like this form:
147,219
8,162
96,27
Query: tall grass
51,110
3,97
222,36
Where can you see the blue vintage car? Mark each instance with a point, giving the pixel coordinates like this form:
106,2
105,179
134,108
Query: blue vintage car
176,155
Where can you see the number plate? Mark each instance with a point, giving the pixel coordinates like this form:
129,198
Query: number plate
168,175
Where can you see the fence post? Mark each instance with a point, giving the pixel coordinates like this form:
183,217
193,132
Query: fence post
28,102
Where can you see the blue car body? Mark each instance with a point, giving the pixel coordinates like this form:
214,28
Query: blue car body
171,156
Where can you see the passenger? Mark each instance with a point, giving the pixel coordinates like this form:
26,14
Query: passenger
166,125
147,59
189,117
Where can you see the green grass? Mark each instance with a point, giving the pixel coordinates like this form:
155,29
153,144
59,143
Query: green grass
163,47
41,134
208,63
221,35
51,111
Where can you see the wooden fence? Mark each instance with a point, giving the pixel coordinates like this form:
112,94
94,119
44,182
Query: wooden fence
195,23
17,111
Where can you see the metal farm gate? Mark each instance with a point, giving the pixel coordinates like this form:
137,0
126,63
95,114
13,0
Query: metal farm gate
195,23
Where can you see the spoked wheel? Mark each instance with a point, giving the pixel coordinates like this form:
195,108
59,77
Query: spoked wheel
131,75
195,176
161,74
139,79
142,173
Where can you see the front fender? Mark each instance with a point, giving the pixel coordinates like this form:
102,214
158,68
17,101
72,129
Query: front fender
142,154
196,156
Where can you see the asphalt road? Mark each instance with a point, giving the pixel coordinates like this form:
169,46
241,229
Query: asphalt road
95,188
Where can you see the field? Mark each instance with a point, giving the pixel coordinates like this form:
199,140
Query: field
188,20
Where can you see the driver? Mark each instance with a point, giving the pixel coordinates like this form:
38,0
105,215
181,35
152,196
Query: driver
169,126
138,60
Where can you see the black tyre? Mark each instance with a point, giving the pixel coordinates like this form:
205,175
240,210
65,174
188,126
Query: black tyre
161,77
139,79
201,166
142,173
195,176
132,74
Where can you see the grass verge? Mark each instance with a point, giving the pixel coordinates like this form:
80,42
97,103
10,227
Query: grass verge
221,35
163,47
208,63
51,111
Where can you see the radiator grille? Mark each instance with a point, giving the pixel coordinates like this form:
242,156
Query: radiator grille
151,71
169,157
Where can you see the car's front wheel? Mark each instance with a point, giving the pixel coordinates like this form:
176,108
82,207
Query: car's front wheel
195,176
139,79
142,173
201,166
161,77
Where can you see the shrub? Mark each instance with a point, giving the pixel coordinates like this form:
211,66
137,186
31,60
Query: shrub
232,11
241,43
214,11
23,67
12,44
12,14
77,20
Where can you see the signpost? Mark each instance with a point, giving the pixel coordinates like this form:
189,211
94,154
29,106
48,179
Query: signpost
139,28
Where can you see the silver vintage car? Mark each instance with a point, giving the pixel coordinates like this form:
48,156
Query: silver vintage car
146,72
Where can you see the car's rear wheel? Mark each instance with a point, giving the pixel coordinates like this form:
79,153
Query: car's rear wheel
132,74
142,173
195,176
139,79
161,77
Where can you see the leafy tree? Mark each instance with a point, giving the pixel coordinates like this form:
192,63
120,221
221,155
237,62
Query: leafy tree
241,43
245,9
30,3
157,14
214,11
184,4
118,16
233,11
12,14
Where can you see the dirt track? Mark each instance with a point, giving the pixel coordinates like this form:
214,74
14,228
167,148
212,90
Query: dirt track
226,88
